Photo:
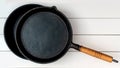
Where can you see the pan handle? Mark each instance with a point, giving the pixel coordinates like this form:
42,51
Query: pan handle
93,53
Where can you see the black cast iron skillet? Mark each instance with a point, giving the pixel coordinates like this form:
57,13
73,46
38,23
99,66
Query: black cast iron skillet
9,27
42,34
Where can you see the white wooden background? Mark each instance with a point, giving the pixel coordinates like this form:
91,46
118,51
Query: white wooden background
96,24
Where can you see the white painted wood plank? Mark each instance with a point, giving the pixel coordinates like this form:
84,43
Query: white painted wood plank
3,45
71,59
88,26
95,26
71,8
100,43
2,22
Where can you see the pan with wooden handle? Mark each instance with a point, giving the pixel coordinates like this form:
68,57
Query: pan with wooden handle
44,34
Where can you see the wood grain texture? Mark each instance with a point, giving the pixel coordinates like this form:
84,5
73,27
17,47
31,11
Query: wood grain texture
96,54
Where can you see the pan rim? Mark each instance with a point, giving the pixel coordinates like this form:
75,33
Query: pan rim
18,34
9,28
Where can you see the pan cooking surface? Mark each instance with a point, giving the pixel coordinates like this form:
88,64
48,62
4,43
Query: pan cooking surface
44,35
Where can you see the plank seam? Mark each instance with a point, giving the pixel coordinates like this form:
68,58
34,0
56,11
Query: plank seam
69,51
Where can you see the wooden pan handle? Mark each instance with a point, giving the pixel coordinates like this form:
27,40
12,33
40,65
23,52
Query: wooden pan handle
94,53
